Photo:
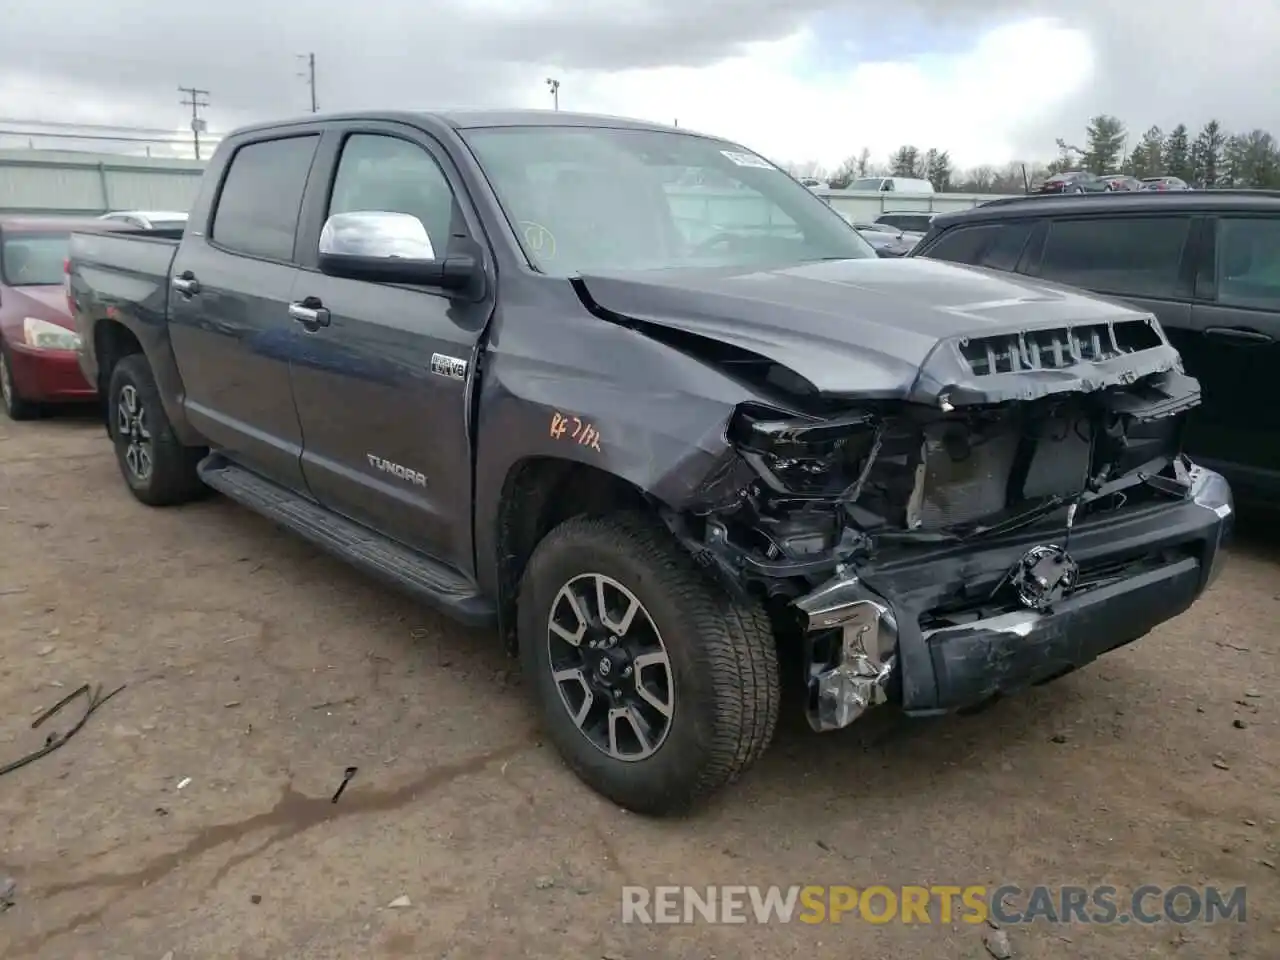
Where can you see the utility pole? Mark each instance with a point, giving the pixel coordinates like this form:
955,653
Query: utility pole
310,76
195,103
554,84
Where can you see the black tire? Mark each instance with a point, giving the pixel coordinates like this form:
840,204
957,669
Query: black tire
172,477
723,663
14,406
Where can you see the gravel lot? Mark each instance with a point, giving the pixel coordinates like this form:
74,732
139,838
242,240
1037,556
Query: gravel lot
191,816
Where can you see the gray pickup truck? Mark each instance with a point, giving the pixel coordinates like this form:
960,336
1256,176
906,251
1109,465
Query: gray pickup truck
670,440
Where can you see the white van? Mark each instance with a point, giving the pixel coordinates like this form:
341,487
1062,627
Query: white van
894,184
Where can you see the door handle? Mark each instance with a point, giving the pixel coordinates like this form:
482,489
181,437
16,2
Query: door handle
1238,334
186,283
310,314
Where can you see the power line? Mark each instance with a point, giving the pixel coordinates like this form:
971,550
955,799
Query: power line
71,125
46,135
195,103
310,76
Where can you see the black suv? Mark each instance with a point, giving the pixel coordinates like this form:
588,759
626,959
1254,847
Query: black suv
1207,264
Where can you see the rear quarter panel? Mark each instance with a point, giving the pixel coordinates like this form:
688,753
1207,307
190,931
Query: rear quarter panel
124,280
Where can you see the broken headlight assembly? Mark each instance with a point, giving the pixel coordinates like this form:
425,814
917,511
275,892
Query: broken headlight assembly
806,459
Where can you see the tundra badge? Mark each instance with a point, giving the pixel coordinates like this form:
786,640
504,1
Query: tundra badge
450,367
396,470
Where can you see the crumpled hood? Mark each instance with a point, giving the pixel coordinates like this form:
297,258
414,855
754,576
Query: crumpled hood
878,328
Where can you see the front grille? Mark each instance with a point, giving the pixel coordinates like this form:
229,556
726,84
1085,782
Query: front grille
1056,349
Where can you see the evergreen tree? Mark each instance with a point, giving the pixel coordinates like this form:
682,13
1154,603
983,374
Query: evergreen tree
1177,155
1106,144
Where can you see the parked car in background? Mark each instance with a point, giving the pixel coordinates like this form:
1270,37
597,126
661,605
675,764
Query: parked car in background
1076,181
37,336
892,185
148,219
885,240
657,466
1164,183
1206,263
1120,183
908,221
813,183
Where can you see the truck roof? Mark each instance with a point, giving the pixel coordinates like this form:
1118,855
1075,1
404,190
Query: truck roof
1090,203
471,119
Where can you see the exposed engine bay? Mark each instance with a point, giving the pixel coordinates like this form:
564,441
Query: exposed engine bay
964,485
826,499
825,492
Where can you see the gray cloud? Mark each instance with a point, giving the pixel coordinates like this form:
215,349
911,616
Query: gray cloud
389,53
121,62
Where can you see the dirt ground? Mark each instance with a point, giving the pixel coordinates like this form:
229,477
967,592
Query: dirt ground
191,817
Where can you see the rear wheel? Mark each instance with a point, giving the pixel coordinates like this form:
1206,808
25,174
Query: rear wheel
159,470
656,687
14,406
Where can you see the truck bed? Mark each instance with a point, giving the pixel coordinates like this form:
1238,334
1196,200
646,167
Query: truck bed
139,254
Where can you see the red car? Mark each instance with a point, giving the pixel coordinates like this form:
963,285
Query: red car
37,339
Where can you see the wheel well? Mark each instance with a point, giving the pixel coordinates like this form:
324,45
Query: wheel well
111,343
539,494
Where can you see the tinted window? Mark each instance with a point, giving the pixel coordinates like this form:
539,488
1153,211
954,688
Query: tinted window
394,176
594,198
1134,256
1249,263
962,244
33,259
257,210
1006,246
916,222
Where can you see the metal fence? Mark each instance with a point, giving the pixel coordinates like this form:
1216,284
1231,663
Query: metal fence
71,183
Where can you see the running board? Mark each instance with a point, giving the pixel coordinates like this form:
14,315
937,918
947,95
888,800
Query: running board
427,580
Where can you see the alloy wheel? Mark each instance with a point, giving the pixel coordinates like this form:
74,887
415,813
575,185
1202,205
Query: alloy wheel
131,427
610,667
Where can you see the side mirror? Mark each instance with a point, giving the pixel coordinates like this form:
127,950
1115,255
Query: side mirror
389,247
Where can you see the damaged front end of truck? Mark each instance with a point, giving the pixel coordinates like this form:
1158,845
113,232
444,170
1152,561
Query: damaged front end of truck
1021,508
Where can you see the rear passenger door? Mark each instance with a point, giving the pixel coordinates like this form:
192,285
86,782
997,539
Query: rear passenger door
1237,317
383,387
229,307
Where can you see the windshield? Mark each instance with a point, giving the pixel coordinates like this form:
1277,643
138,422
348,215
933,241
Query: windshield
33,259
584,199
867,183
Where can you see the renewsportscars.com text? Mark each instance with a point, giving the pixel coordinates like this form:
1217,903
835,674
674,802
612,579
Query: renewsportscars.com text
1007,904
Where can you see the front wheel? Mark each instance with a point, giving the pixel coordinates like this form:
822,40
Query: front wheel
656,686
159,470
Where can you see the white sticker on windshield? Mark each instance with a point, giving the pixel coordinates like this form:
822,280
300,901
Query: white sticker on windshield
747,160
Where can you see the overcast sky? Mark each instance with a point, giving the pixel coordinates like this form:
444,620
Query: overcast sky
990,80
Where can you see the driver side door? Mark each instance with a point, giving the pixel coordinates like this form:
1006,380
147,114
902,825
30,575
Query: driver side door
382,384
